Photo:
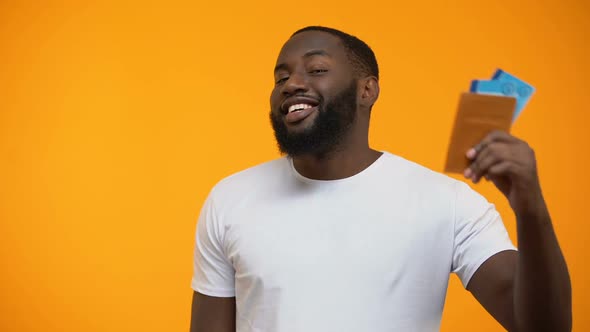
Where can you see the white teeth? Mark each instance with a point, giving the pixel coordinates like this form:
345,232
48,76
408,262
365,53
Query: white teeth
299,107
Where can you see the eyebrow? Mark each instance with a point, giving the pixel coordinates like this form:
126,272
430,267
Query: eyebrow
316,52
307,54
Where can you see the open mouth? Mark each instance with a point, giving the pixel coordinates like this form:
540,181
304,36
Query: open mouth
298,112
298,107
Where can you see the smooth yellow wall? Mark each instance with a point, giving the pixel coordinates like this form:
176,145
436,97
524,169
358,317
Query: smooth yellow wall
116,118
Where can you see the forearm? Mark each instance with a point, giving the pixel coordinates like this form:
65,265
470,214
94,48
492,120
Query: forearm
542,289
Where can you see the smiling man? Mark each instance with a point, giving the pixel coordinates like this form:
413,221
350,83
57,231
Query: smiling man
337,236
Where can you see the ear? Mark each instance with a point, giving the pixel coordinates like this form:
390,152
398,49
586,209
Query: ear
368,91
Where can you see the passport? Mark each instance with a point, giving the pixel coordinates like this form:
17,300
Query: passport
477,116
490,105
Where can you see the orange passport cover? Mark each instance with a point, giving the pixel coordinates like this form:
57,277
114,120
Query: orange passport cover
477,116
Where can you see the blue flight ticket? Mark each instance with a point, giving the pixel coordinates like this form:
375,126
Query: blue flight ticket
505,84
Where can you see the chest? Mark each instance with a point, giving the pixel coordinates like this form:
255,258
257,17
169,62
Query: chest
280,244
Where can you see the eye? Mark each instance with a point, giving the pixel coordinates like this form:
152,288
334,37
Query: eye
318,71
282,80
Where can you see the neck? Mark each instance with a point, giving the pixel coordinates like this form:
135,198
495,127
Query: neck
349,158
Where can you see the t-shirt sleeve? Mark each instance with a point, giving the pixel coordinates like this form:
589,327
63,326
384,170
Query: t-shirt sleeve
479,233
213,272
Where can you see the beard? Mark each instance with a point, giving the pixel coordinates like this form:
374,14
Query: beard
324,135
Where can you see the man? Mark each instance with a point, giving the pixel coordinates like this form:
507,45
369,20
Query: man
337,236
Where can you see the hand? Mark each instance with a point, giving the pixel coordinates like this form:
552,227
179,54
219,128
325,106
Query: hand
510,164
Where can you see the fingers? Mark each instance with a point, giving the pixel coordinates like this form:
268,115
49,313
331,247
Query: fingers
489,156
500,168
494,136
499,136
501,158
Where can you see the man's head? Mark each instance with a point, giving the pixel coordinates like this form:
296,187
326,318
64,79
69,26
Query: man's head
359,54
326,82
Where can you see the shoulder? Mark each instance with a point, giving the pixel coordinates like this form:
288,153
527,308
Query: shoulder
425,182
437,188
418,176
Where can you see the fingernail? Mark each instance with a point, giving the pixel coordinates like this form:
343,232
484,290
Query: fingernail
471,153
467,173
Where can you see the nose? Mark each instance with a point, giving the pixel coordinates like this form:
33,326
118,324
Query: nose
296,83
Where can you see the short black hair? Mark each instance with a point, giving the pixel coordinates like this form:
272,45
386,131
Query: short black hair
360,54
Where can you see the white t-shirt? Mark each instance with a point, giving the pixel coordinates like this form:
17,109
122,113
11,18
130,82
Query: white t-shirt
372,252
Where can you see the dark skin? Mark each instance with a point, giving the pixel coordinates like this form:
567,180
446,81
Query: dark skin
531,289
528,290
321,75
214,314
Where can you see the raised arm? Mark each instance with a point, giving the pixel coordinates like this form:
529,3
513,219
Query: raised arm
528,290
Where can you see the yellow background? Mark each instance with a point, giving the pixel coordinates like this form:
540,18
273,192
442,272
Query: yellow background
116,118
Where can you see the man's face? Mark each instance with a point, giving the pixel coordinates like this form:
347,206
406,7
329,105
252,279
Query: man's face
314,101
